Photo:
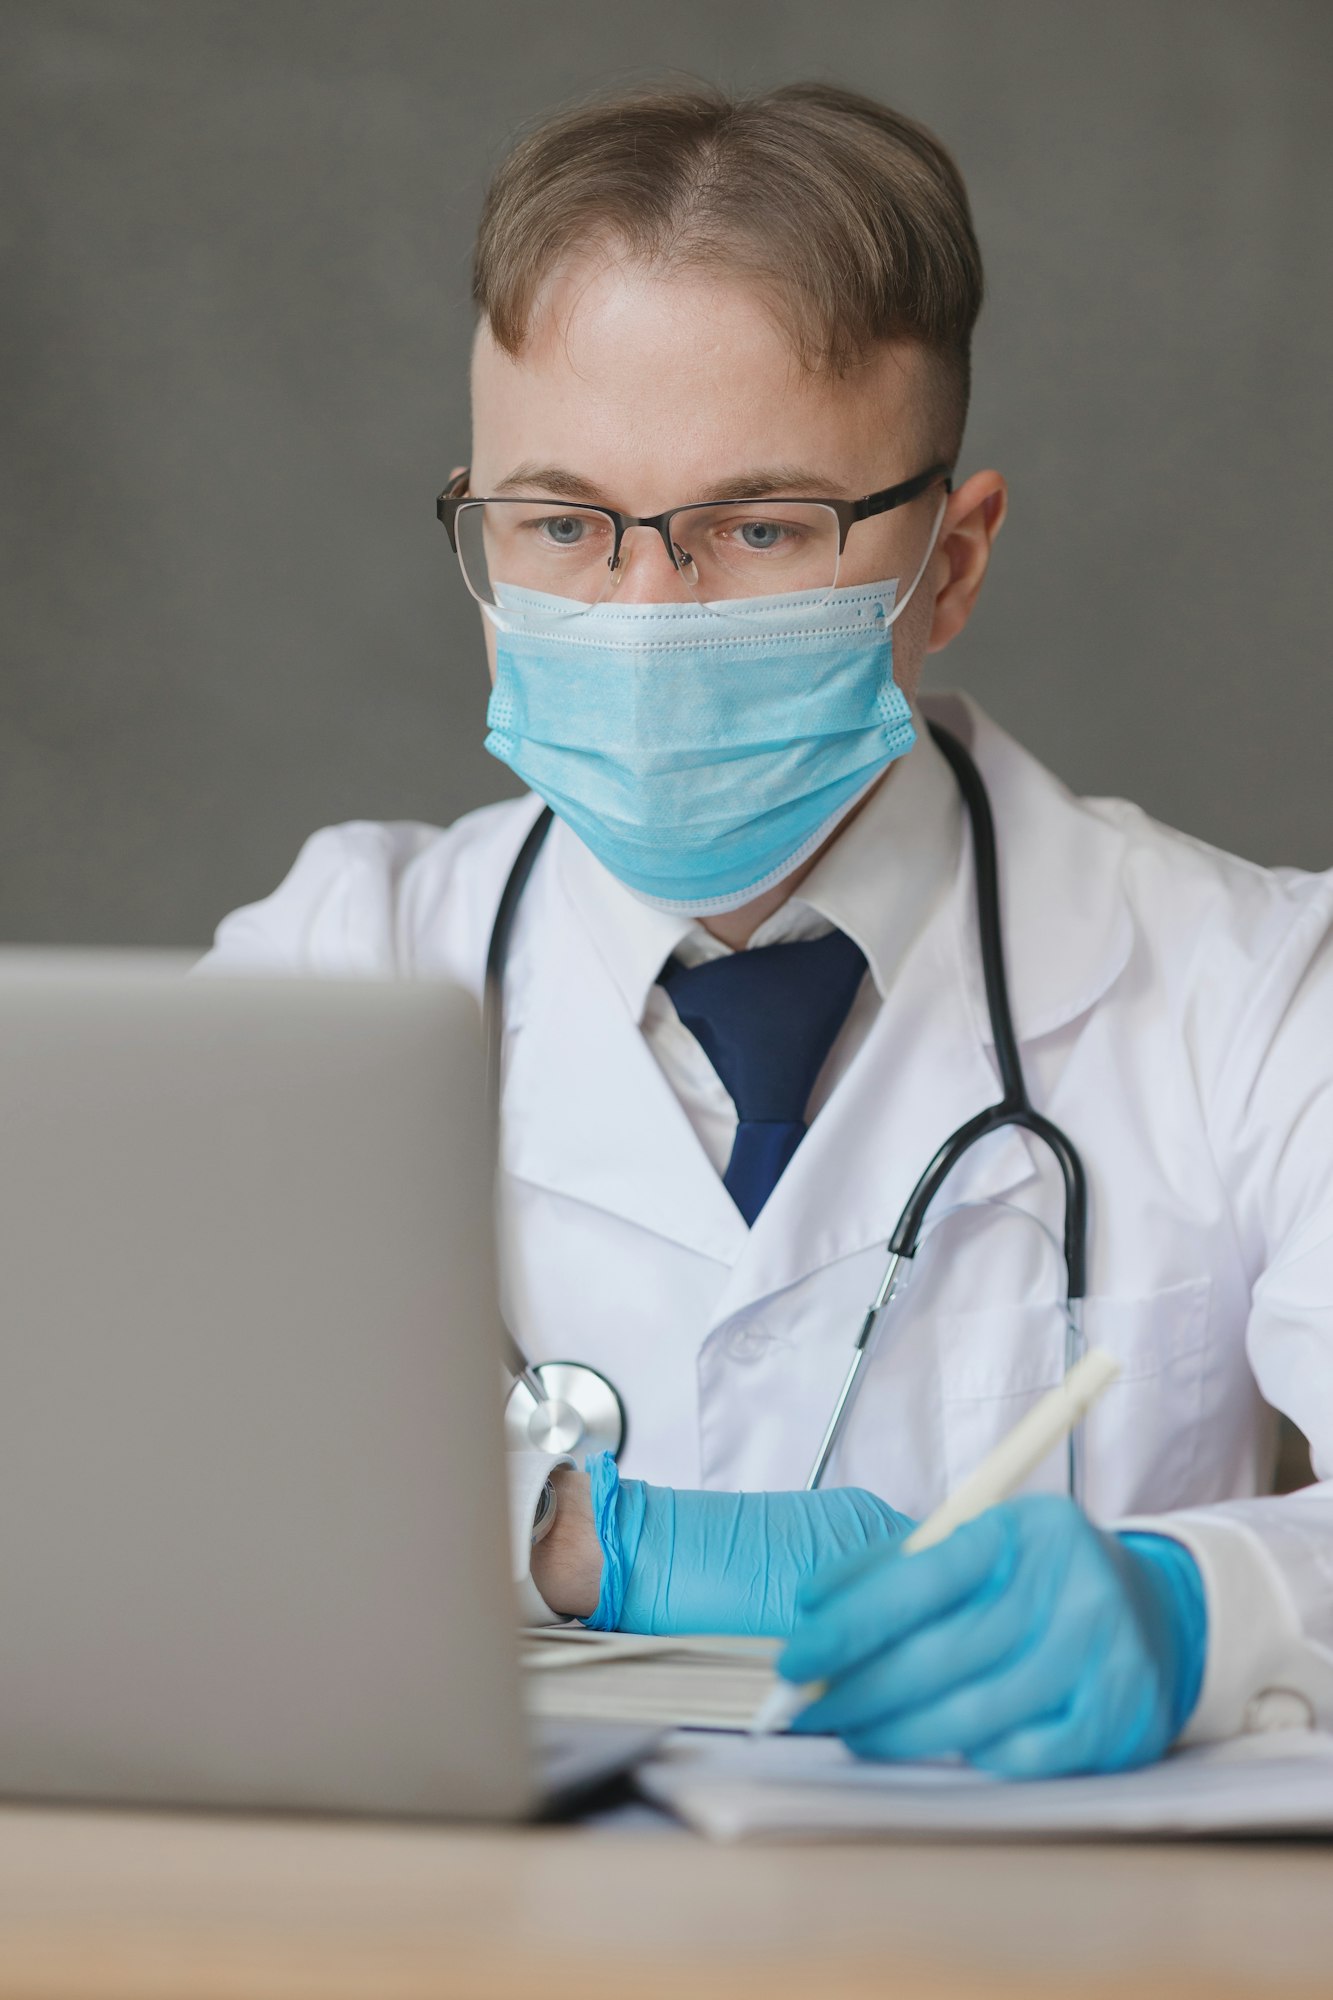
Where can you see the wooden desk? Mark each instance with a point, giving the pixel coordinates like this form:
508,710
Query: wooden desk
107,1906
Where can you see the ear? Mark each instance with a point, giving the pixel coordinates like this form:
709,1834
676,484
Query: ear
973,518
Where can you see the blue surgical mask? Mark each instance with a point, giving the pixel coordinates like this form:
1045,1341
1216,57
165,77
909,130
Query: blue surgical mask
701,758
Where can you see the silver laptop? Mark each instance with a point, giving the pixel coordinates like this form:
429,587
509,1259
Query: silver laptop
252,1536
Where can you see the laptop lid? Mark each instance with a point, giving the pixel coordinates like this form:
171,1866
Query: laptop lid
252,1529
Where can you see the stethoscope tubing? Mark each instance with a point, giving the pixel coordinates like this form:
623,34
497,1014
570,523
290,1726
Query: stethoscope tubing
497,953
1014,1107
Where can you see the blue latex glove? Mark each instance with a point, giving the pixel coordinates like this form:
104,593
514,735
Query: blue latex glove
721,1562
1029,1642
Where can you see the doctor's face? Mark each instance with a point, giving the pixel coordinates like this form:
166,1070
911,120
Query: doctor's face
645,392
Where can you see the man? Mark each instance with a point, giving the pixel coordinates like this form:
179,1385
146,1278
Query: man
743,1002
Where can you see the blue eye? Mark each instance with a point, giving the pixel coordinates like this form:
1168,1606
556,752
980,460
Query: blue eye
565,530
762,535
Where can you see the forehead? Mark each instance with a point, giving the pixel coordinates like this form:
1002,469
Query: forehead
652,381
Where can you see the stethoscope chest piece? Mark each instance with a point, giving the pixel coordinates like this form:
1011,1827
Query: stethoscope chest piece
582,1413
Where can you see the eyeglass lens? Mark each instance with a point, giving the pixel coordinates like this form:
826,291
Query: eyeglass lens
721,551
724,551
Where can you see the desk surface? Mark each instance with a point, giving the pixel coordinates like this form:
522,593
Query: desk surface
113,1906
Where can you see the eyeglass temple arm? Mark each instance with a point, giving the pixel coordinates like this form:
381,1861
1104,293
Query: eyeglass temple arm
907,489
446,506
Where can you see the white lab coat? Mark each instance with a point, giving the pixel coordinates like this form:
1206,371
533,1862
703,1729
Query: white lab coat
1175,1011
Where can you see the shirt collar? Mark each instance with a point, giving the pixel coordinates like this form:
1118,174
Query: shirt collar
879,881
890,868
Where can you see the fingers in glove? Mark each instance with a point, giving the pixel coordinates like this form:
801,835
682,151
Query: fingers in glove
893,1595
963,1647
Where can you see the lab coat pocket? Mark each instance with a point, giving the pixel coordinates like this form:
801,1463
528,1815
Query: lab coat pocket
1138,1449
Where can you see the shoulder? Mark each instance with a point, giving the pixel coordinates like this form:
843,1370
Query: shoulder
382,897
1101,897
1241,954
1236,929
1180,891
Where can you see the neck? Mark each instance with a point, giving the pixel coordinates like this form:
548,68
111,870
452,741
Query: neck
735,928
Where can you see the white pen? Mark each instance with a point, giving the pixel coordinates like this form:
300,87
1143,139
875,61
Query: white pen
999,1475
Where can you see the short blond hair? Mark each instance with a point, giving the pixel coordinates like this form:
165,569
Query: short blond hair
851,220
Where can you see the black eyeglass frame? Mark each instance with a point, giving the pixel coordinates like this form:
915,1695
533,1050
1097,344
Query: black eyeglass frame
456,496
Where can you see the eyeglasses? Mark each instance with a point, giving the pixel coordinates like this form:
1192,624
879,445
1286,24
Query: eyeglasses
726,551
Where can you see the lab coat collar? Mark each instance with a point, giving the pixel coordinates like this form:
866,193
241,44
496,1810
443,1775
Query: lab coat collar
1064,915
1063,910
633,940
884,874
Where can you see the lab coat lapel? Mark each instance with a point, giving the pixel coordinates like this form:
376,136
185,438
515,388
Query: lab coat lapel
586,1110
1064,915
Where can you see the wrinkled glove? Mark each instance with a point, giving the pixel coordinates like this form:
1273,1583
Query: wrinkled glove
1030,1643
721,1562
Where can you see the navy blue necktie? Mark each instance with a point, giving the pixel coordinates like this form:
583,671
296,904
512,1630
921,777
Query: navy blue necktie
766,1019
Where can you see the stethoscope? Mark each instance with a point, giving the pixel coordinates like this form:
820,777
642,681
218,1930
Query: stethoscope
568,1406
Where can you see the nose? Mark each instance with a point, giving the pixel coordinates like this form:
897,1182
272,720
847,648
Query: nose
646,574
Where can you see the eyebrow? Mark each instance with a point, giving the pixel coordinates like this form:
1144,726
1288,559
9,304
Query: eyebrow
759,483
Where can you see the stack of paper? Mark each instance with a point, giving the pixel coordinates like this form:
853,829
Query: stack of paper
697,1683
737,1787
811,1787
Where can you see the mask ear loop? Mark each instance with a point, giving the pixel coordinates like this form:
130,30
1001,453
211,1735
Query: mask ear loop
906,599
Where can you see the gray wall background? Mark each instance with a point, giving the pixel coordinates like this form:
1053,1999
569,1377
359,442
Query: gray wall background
235,237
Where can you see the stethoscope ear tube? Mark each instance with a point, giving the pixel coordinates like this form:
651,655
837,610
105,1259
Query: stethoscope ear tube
1076,1199
493,1022
498,951
1015,1107
556,1406
986,875
906,1236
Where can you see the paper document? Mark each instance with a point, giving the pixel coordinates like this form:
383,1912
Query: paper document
696,1683
811,1787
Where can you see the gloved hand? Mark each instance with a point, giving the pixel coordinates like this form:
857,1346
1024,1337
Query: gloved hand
720,1562
1029,1642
